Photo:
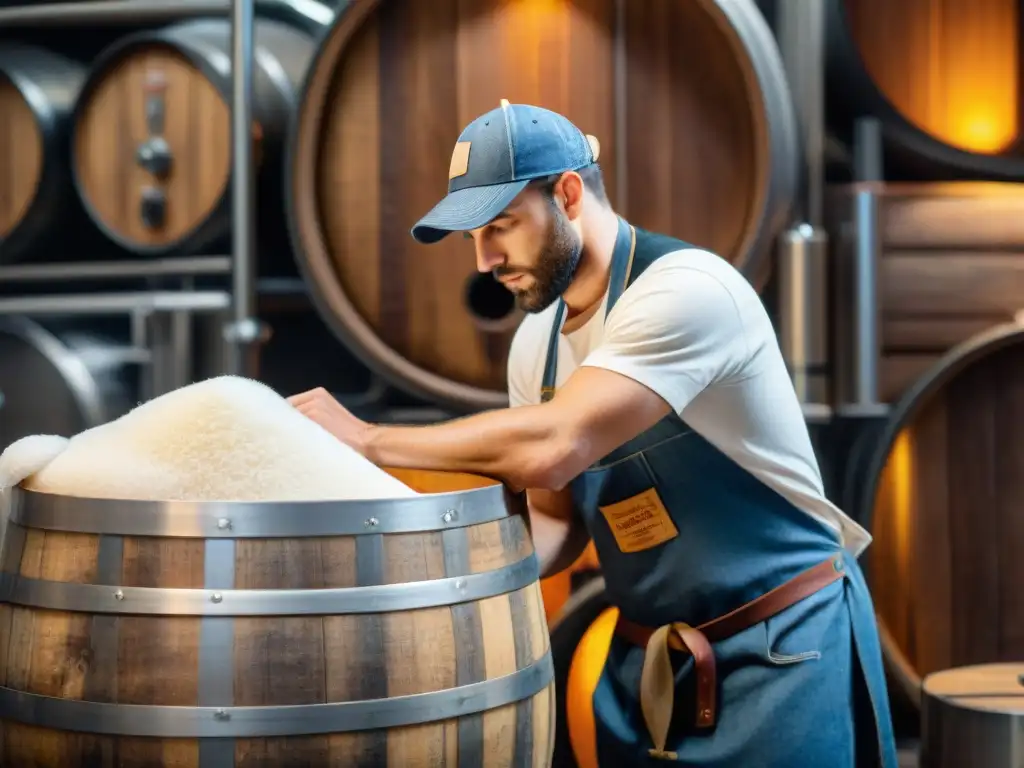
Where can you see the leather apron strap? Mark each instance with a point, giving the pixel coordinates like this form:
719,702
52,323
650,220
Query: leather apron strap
618,280
657,679
658,685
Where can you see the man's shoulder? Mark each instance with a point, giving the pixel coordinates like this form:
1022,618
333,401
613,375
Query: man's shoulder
696,260
701,279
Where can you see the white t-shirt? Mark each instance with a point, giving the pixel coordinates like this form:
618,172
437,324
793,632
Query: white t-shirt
692,329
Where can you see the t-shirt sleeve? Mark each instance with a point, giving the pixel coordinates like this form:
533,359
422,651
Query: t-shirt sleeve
675,330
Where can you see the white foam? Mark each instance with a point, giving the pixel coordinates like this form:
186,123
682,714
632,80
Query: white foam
228,438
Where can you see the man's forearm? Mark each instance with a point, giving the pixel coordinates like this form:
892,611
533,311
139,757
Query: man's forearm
523,446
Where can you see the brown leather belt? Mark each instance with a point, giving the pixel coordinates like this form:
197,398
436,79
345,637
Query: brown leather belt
657,685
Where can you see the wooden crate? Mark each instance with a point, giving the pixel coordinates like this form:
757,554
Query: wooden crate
952,265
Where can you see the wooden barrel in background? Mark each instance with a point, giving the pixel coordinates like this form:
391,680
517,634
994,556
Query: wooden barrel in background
63,379
152,139
942,75
943,493
38,89
688,99
405,633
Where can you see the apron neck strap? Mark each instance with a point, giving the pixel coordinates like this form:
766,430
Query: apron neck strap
618,280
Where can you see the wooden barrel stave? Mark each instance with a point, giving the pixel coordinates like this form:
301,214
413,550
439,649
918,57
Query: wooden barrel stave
277,661
942,484
38,89
942,78
193,59
367,161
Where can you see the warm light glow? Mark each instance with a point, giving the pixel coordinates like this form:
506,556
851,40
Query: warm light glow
584,674
901,469
950,67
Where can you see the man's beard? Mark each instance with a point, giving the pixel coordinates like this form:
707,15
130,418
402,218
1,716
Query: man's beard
556,265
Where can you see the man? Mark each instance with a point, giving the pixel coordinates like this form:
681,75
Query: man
652,411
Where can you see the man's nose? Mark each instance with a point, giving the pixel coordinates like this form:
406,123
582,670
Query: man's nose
486,259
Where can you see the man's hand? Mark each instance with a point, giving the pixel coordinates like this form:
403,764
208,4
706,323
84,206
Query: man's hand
318,405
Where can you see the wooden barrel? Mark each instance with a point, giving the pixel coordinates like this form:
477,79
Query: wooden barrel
38,89
386,633
973,716
152,134
943,77
943,489
688,99
63,379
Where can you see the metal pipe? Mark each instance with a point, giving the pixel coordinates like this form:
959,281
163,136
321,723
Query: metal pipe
244,329
176,267
804,333
110,12
866,347
311,13
868,162
621,107
803,261
801,35
116,303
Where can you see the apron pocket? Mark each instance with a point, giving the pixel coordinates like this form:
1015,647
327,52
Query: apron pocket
788,658
803,631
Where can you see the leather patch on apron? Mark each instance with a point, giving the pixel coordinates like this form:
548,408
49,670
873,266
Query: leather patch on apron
460,160
640,522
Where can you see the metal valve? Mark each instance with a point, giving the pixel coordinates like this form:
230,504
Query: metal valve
153,208
154,155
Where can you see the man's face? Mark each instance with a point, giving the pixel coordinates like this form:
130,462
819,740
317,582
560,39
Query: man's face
532,249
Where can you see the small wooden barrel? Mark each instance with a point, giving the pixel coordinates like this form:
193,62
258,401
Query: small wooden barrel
941,75
38,89
61,380
942,499
688,99
152,135
386,633
973,716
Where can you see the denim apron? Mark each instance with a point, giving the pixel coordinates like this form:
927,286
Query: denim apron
803,689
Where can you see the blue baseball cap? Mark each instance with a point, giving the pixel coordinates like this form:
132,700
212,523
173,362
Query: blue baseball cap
496,156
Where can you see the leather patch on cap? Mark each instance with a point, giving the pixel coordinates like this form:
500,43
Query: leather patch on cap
595,146
460,160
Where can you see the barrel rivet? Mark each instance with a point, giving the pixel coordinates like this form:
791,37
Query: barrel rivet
119,595
373,521
216,597
221,714
450,515
460,584
223,524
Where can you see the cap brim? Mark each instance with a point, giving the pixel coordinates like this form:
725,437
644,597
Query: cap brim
466,209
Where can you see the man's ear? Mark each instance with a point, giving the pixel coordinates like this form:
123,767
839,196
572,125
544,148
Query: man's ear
569,191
